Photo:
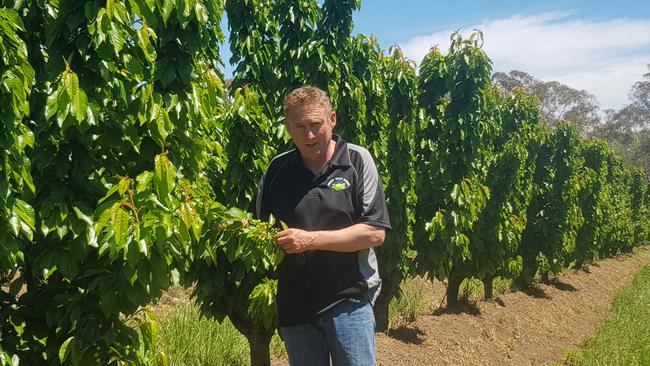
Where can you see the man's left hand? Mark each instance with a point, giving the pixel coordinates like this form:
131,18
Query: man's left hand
295,241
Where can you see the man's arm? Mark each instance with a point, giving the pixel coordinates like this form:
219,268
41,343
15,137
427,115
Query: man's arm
349,239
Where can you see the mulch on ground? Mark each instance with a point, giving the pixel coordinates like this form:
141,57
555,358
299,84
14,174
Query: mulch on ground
517,328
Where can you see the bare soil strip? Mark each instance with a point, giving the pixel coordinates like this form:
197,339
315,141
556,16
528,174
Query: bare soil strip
518,328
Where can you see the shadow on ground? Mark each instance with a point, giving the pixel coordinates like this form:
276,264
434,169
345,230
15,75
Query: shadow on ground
407,334
536,292
563,286
462,307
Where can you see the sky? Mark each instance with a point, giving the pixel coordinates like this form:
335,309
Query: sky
602,47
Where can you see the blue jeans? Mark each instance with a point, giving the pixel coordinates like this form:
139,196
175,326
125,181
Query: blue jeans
346,333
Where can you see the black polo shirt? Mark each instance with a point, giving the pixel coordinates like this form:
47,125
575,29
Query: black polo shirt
346,192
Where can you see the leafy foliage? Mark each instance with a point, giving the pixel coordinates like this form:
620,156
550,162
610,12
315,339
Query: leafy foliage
593,198
17,220
455,148
115,125
554,217
396,167
497,235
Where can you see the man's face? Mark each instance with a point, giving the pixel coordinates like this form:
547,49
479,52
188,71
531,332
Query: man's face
310,128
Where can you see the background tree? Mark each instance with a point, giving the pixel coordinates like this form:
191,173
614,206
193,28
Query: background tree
553,216
396,167
639,206
497,233
236,262
234,273
619,228
457,153
557,102
628,130
594,198
255,49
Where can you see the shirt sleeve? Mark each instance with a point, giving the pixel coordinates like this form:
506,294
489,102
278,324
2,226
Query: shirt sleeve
371,194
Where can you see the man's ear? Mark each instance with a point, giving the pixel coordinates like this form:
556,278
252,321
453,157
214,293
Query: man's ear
333,119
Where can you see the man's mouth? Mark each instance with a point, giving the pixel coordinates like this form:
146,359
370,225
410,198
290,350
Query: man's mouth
313,144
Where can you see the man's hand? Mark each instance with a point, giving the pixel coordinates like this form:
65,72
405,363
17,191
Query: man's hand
295,241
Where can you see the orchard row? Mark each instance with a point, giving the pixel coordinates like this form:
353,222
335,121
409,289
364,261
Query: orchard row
129,164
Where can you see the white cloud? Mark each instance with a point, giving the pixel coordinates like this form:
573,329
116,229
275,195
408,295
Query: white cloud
602,57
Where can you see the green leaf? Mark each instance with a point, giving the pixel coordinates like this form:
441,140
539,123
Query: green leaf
146,44
123,185
27,178
188,214
14,224
110,192
163,124
26,139
90,230
143,180
71,83
142,246
63,350
201,12
110,8
47,272
12,18
164,176
52,105
103,220
167,8
25,212
27,231
117,38
73,99
120,219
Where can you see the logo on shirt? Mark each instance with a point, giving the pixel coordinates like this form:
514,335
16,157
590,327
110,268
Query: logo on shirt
338,184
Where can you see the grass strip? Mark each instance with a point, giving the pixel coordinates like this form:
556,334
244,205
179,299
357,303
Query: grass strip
190,340
624,338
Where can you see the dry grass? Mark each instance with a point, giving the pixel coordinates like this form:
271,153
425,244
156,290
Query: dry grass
192,340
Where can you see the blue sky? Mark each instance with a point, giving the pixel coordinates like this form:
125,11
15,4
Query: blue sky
397,21
602,47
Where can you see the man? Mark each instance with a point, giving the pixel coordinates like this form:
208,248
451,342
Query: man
329,194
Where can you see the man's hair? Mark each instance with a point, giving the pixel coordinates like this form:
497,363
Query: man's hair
307,96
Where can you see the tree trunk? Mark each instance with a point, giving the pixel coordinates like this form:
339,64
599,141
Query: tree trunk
579,263
258,338
545,278
487,287
527,275
259,344
383,303
453,287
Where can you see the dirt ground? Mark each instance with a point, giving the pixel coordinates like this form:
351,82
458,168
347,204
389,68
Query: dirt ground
517,328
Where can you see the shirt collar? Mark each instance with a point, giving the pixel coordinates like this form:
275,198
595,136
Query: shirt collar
341,156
